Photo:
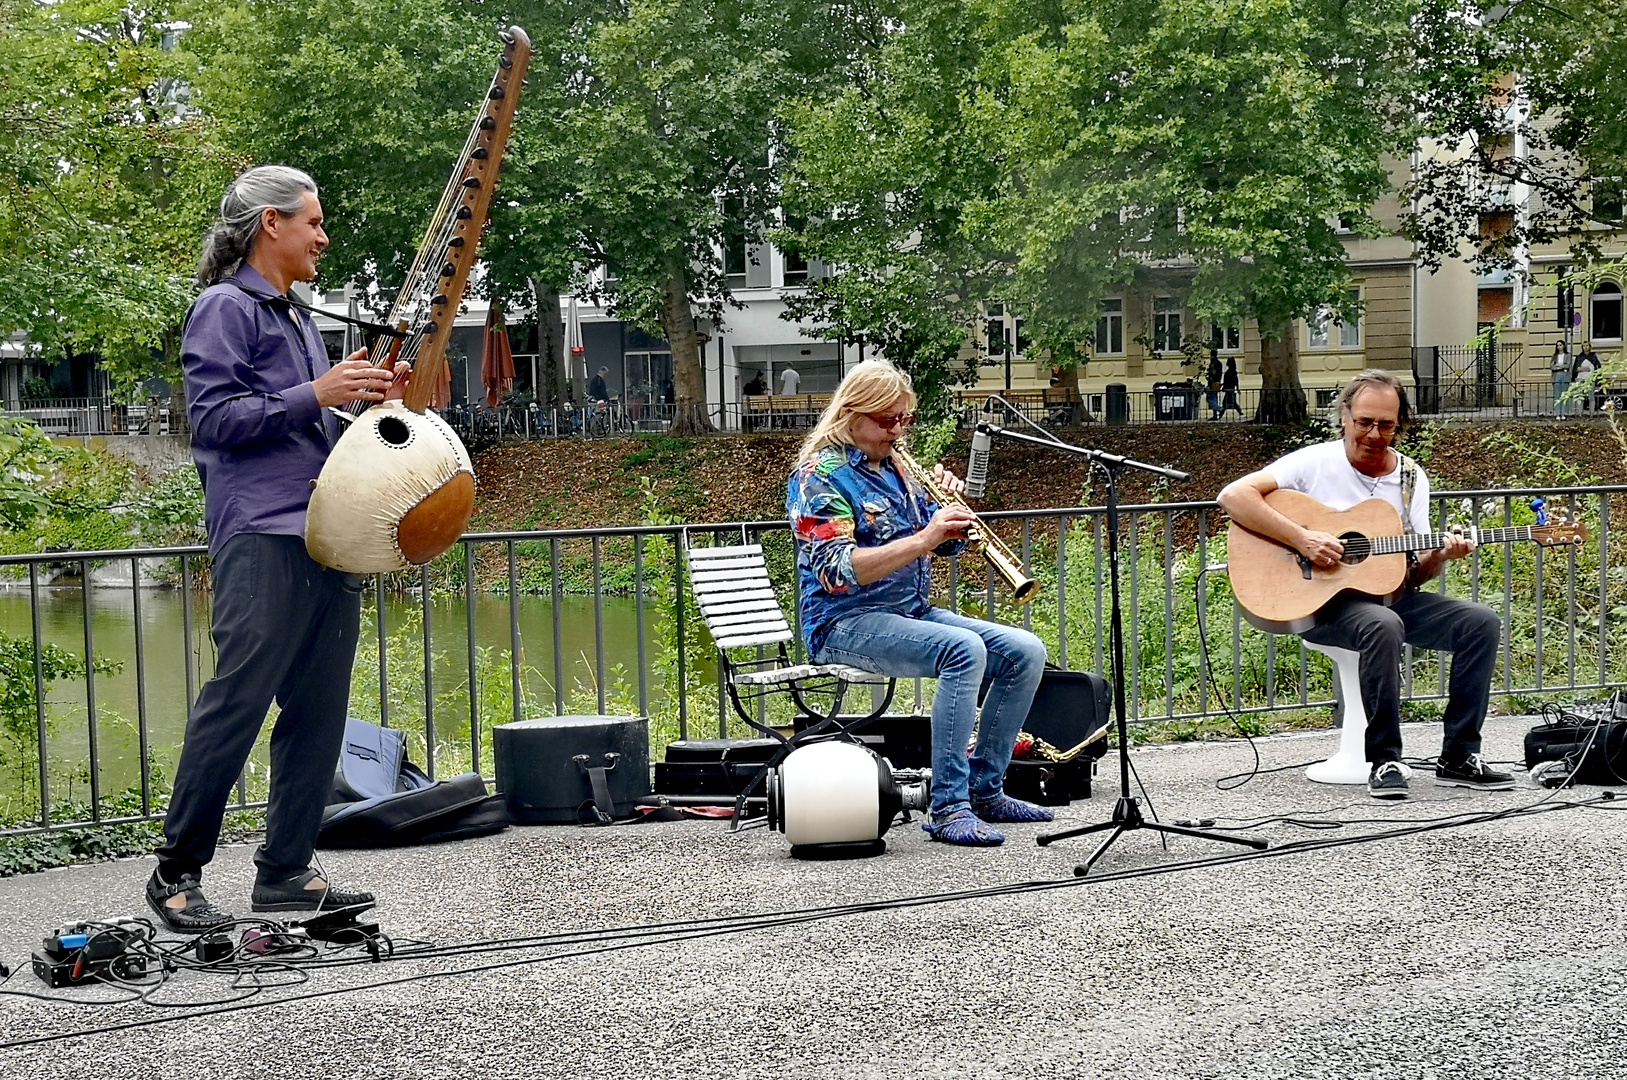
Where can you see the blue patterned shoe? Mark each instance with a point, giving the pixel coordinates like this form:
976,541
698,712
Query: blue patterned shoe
965,827
1008,811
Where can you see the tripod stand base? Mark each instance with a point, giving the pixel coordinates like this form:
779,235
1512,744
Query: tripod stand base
1127,818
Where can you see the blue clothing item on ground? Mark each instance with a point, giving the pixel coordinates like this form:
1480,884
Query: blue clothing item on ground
966,656
836,503
258,435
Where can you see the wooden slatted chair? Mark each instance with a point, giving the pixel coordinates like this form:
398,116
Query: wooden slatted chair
742,612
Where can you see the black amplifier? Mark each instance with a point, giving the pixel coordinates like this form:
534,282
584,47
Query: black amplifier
720,767
1594,746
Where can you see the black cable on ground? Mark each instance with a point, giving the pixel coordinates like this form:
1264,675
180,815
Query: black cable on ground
1214,688
621,938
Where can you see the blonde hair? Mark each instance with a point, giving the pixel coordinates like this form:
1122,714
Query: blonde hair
870,387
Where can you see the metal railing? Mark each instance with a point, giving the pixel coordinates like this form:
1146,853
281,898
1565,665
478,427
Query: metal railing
1558,612
1174,403
98,416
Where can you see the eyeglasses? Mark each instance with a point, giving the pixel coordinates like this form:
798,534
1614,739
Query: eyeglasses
1383,427
903,419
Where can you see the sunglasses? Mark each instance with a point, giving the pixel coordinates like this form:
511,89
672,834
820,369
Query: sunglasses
903,419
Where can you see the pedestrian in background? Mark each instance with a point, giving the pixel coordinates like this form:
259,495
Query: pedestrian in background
1560,368
1229,384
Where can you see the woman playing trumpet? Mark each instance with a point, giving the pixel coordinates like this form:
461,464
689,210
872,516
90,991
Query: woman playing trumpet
865,532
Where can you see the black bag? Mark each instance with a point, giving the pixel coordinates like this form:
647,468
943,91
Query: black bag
1051,783
383,800
1069,707
1595,747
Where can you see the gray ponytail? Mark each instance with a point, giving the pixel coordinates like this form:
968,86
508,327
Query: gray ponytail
273,187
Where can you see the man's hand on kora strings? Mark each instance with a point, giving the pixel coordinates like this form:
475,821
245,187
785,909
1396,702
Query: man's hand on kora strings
354,379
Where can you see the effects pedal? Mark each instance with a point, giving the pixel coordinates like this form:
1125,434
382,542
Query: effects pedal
213,948
92,951
341,926
269,942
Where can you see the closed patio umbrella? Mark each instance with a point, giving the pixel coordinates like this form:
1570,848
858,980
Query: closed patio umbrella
496,358
353,333
577,365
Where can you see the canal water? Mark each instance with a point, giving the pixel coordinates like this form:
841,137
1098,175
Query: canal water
165,647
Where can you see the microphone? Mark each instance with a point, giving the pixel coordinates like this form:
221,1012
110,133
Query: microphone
977,466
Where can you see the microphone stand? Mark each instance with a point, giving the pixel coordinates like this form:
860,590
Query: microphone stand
1127,816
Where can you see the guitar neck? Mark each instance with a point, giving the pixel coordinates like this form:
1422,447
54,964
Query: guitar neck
1391,545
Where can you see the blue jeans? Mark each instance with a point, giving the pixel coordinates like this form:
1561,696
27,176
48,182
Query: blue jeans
965,656
1562,383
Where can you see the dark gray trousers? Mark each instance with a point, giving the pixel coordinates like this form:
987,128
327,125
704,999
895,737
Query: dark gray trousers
1470,632
285,629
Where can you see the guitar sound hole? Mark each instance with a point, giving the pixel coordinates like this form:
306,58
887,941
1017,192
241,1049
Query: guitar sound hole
1357,548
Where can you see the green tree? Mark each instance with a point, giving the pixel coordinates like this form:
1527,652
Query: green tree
106,175
1209,143
884,170
27,459
673,122
1526,96
374,98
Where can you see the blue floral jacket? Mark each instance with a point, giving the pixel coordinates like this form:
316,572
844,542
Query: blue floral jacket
836,504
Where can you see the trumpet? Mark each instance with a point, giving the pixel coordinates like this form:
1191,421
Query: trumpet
979,539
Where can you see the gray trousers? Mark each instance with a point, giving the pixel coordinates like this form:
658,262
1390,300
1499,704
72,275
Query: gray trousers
1470,632
285,629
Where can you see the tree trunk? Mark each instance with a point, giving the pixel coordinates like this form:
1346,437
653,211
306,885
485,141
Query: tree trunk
550,346
688,377
1282,398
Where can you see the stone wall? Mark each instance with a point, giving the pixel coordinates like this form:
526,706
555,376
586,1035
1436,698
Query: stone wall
155,453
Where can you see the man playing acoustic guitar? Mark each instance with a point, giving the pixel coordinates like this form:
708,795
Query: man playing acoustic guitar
1364,464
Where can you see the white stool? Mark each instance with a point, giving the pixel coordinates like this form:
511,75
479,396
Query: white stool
1349,764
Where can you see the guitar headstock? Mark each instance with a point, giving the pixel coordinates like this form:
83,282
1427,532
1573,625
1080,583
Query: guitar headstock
1559,534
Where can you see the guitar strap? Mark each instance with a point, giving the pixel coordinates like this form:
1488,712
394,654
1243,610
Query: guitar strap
1409,487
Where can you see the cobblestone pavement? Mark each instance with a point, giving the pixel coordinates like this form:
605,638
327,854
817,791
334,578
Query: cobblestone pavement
1493,949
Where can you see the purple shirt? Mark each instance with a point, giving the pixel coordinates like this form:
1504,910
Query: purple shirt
258,435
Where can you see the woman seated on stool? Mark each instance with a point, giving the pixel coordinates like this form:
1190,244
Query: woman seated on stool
865,535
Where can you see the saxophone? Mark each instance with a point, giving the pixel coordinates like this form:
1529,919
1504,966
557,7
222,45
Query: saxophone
979,539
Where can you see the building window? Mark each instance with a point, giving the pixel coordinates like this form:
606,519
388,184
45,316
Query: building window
1350,329
1316,328
1608,201
1320,326
796,263
1110,329
1166,324
1226,339
1003,332
1606,324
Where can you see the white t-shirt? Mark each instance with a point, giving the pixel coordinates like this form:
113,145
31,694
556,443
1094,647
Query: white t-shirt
1325,474
788,380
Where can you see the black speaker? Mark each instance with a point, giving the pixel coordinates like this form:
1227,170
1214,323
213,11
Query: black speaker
542,782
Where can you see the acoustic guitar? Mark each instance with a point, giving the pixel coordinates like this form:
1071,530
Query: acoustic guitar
1283,592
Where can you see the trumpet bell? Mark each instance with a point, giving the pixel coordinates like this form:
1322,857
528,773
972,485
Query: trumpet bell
397,491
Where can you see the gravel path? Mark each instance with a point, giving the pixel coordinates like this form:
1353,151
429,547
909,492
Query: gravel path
1494,949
